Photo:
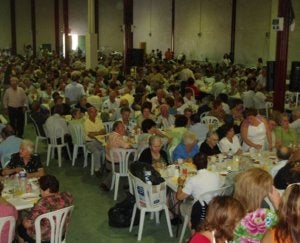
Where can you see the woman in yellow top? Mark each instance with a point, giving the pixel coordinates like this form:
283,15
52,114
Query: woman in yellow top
287,230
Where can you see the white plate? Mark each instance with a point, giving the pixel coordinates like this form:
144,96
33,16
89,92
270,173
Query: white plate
223,173
29,195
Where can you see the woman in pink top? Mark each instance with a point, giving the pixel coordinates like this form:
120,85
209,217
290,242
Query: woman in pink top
223,214
6,209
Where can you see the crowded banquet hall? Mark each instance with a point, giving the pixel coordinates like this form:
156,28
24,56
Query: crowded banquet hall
152,121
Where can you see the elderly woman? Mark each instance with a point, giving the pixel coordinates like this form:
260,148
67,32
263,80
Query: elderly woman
210,145
25,160
254,131
187,149
251,188
6,209
284,134
230,141
154,153
51,200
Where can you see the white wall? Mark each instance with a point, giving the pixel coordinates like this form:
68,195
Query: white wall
110,21
23,24
78,16
152,24
253,21
5,36
45,27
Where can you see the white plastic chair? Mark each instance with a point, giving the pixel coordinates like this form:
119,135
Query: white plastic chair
210,121
58,224
53,144
11,222
108,126
203,114
78,140
149,198
120,156
38,134
205,197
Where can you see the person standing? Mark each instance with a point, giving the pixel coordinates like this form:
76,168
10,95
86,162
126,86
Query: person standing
74,90
15,103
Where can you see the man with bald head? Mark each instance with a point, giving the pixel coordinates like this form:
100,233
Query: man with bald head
15,103
112,103
283,154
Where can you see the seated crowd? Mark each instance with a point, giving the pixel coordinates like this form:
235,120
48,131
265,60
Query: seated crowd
171,112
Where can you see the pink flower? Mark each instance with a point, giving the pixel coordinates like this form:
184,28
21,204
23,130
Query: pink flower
248,240
255,222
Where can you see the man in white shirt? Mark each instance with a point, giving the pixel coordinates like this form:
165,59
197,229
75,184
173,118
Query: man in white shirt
112,103
283,154
165,119
296,120
74,90
15,103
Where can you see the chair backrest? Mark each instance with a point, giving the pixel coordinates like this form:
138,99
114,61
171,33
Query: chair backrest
203,114
10,221
148,196
108,126
57,220
55,134
36,127
5,159
210,122
77,133
122,156
208,196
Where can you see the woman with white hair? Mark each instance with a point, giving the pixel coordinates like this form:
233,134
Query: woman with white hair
26,160
188,147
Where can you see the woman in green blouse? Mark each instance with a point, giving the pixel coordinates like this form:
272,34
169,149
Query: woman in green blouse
284,134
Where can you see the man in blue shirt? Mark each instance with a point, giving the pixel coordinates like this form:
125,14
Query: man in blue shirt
11,143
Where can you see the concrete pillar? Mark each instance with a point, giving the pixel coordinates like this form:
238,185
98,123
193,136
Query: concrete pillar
91,38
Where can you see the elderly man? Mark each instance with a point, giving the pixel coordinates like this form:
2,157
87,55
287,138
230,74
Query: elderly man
15,103
10,143
283,155
93,127
296,121
115,140
112,103
210,146
74,90
165,119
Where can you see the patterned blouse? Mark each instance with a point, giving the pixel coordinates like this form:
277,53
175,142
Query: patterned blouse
46,205
254,225
32,166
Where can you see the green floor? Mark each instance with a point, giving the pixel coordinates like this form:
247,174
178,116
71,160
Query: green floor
89,221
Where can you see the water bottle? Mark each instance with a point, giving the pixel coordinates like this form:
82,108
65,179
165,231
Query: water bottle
147,174
230,154
23,181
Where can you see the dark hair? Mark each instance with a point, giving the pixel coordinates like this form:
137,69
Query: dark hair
125,109
147,124
195,118
74,111
59,109
249,112
146,105
49,182
181,121
116,124
223,97
170,101
200,160
8,130
227,128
